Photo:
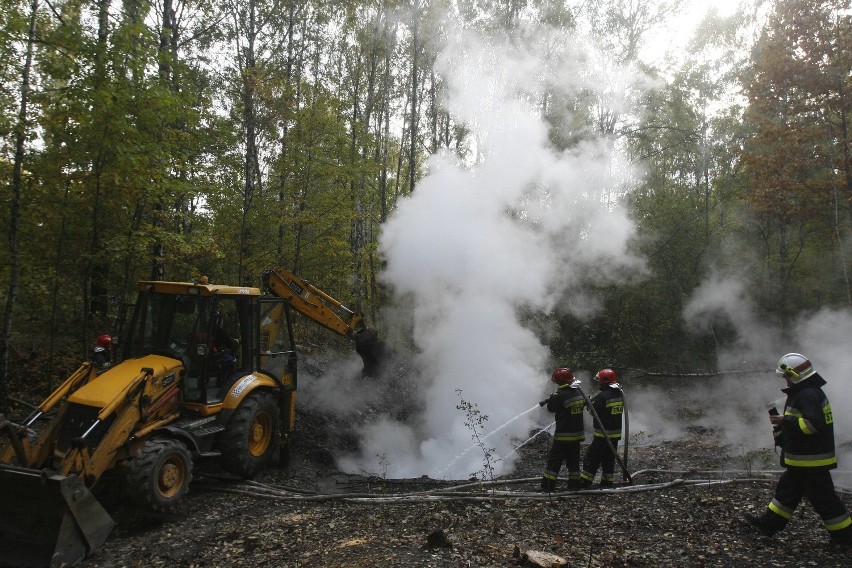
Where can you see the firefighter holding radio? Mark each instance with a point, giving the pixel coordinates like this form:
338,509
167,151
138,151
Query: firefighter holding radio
805,433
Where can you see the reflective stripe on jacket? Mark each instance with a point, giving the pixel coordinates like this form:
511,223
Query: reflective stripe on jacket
609,406
807,433
568,403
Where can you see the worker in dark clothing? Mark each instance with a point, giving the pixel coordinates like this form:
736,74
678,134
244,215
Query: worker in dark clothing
224,348
567,403
609,407
805,434
102,353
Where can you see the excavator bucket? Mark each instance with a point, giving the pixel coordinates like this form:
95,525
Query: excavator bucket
47,519
372,351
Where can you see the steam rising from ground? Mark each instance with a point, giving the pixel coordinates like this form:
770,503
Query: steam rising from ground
475,244
735,406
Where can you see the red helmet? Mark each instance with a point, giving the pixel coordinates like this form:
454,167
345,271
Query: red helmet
104,341
562,376
606,377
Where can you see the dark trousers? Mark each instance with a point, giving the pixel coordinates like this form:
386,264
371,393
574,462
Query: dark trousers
599,455
818,487
562,451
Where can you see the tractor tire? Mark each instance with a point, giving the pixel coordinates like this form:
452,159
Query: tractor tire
160,474
251,435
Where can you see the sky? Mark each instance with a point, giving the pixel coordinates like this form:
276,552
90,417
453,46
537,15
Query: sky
675,35
476,246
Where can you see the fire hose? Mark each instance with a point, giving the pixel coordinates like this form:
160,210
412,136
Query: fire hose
457,492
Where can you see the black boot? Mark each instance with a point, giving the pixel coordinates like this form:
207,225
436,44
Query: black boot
842,538
761,524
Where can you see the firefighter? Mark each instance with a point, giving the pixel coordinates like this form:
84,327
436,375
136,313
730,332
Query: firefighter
102,353
609,406
567,403
805,433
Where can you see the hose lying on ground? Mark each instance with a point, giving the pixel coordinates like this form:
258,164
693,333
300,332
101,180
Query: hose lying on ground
265,491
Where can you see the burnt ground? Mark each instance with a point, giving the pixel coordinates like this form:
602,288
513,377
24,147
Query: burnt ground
312,515
363,522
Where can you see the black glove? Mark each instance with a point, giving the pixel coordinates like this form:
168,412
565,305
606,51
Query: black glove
545,401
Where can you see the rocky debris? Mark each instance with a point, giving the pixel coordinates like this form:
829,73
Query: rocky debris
539,559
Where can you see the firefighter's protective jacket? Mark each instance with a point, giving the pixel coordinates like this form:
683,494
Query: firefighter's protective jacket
609,406
806,435
568,403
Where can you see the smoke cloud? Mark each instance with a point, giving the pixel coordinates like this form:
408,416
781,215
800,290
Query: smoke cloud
477,244
737,404
515,230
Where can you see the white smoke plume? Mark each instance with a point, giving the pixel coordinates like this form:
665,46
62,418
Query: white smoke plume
477,243
736,405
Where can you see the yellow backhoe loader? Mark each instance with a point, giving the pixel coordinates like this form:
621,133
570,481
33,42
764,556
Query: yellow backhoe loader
207,371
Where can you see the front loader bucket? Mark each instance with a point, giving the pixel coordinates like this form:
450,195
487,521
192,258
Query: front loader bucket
48,519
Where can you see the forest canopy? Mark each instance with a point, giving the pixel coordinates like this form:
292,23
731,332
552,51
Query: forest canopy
170,139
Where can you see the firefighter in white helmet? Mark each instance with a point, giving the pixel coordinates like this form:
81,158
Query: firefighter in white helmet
567,403
805,433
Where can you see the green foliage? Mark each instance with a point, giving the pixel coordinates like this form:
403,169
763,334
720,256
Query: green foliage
797,160
223,144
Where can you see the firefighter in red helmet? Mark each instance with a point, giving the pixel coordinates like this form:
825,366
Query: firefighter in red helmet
567,403
608,404
805,433
102,352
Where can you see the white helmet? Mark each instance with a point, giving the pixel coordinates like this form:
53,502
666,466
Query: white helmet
794,366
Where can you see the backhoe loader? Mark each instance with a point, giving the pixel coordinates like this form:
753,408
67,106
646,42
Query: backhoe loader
207,371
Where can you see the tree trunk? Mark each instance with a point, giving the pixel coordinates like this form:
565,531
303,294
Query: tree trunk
251,167
15,206
847,193
158,248
96,270
285,135
415,85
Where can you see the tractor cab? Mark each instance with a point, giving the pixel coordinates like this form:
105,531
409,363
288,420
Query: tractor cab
207,371
215,331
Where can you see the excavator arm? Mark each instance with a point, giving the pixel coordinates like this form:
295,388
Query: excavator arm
313,303
316,305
